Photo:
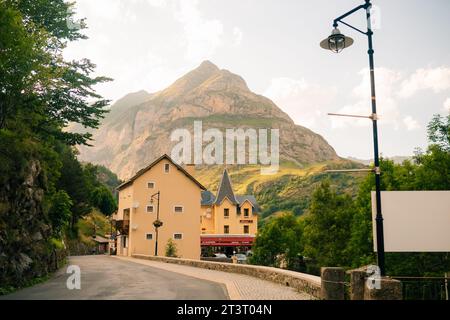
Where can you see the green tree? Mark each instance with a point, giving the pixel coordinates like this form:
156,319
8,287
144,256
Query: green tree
439,132
40,88
171,249
73,181
327,227
40,94
279,238
103,200
59,213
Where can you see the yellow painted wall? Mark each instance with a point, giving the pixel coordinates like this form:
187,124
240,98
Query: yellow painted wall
236,222
176,189
125,201
207,223
253,226
232,221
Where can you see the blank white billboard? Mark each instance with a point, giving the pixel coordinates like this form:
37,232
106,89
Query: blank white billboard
414,221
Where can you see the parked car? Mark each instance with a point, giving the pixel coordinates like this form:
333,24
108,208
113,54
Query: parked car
220,255
241,258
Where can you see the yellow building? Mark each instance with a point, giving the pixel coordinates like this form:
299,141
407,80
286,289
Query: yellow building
191,216
229,222
176,198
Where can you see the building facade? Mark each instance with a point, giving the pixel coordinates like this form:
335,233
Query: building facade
192,217
229,222
178,210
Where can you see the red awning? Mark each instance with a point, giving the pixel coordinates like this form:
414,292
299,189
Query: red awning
222,241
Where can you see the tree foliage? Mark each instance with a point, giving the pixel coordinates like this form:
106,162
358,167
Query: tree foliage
337,230
60,212
44,187
278,242
327,227
171,249
103,200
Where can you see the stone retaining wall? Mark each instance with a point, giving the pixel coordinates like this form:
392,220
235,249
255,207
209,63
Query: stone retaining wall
300,281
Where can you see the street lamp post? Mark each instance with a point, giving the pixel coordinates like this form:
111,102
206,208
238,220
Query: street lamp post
157,223
336,42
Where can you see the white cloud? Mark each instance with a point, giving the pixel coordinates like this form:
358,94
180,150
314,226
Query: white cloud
238,35
387,106
202,36
304,102
446,105
410,123
436,79
157,3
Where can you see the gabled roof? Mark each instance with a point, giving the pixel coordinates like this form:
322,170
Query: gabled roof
249,198
225,190
207,198
144,170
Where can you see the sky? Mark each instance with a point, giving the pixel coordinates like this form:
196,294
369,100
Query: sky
274,46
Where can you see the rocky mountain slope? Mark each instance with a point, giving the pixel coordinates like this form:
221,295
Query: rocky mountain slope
138,128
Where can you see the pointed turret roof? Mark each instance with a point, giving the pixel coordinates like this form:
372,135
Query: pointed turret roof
225,189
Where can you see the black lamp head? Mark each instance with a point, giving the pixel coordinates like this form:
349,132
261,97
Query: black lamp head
336,42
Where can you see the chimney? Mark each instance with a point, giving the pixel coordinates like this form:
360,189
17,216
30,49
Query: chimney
190,168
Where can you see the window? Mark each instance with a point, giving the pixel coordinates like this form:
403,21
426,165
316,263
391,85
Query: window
246,230
151,185
124,242
226,213
149,236
178,236
226,229
178,209
150,209
166,168
246,213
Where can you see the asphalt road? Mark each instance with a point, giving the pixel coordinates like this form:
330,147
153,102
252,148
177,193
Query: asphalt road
104,277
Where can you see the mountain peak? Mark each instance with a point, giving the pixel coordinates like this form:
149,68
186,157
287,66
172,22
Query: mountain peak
208,65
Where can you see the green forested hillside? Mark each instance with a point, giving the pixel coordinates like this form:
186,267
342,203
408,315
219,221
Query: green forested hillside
289,190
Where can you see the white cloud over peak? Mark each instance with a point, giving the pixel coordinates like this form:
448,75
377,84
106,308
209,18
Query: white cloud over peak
202,36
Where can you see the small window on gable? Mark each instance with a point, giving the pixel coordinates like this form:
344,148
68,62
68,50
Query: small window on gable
149,236
178,209
177,236
246,212
166,168
150,209
151,185
226,213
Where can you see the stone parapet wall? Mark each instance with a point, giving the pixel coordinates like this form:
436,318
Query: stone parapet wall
302,282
